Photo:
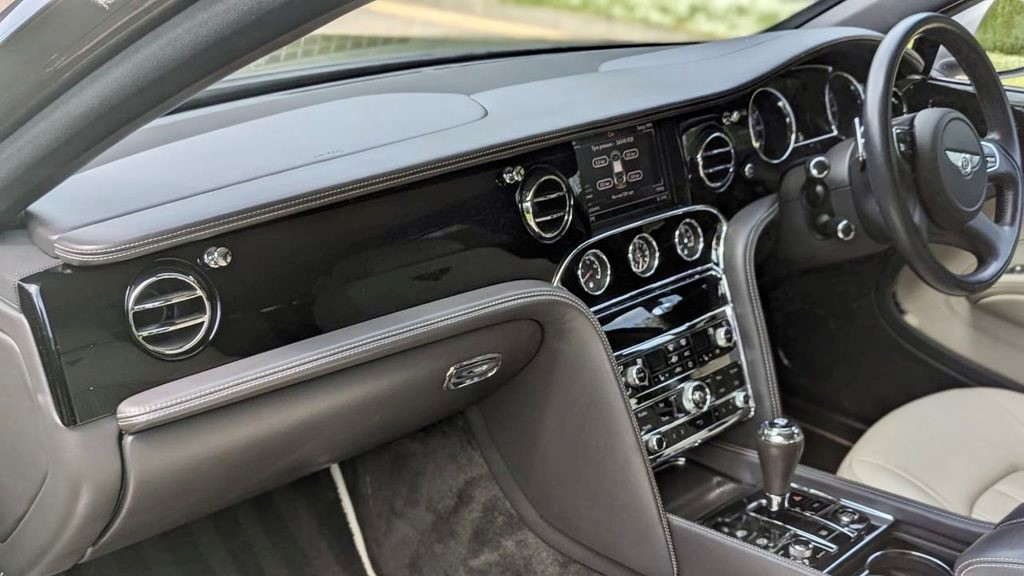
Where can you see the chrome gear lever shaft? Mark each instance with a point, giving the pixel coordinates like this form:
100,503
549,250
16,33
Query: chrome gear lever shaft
780,443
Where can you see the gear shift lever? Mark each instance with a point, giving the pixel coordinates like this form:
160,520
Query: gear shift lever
780,442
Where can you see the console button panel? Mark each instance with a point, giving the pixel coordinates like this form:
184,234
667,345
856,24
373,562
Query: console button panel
814,528
693,388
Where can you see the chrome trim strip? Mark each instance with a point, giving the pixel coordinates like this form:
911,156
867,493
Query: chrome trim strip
716,256
788,109
834,122
171,326
175,298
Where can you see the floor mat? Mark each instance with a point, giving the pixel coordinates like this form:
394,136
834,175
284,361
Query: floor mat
427,504
296,530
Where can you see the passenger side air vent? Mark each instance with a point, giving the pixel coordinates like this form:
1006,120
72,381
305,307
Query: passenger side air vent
545,202
716,160
171,313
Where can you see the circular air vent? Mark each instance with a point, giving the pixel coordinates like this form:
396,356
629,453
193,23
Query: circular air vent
716,161
545,201
171,313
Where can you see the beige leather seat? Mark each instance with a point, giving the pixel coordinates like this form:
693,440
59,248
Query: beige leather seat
962,450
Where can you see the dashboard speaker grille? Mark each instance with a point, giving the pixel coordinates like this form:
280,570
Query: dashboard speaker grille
171,314
716,160
545,202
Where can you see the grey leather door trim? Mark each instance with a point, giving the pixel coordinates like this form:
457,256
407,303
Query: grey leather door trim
558,416
322,354
60,483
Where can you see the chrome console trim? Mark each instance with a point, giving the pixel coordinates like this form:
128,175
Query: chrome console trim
726,312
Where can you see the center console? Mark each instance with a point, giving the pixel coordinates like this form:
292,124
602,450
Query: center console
661,297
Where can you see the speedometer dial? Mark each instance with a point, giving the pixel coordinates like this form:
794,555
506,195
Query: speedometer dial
844,102
772,125
689,240
643,255
594,272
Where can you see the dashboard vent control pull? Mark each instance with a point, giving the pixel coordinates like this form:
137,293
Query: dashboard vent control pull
171,313
545,203
716,160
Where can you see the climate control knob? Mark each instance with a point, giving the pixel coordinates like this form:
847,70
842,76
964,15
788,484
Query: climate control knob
636,375
695,397
723,336
656,443
741,400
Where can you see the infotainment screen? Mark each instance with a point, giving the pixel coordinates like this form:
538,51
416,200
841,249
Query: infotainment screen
620,172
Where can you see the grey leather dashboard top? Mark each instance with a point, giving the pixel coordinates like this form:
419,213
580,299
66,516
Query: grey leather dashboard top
200,185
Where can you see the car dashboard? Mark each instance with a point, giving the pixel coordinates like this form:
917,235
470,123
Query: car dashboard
209,284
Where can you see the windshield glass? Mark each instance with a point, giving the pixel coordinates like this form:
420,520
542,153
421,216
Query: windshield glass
388,30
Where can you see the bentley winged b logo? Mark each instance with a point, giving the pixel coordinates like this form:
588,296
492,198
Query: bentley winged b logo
966,162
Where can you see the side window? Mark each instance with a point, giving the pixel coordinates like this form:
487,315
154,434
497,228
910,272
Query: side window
999,27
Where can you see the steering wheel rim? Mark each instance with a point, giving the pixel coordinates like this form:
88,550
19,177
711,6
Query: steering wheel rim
935,206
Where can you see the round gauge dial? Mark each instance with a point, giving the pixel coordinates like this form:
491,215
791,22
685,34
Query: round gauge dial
643,255
772,125
594,272
689,240
844,102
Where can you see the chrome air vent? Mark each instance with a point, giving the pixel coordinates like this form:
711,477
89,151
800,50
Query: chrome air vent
545,202
716,160
171,313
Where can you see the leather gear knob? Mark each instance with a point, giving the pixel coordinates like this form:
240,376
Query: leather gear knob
780,443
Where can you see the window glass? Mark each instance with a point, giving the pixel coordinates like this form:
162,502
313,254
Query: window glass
388,30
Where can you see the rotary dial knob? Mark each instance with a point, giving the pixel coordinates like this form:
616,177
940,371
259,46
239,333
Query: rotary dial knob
637,375
723,336
695,397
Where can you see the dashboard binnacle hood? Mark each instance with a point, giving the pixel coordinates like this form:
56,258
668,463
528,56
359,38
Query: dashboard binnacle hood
227,167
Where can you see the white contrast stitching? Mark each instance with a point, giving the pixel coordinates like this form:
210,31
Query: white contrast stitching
1011,563
755,297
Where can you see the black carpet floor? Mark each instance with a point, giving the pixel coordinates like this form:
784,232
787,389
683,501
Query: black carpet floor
428,504
296,530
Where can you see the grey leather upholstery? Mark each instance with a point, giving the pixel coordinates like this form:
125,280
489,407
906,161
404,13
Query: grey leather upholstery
744,232
555,415
59,485
998,553
959,450
518,118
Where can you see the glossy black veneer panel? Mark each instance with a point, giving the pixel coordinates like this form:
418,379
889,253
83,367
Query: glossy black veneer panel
296,278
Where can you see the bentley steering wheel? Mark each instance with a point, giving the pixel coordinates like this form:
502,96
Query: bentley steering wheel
954,171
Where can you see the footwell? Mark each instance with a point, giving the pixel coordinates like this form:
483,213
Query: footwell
428,504
297,530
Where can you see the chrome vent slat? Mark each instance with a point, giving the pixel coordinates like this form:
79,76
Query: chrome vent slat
171,326
170,314
545,203
716,160
557,216
182,296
